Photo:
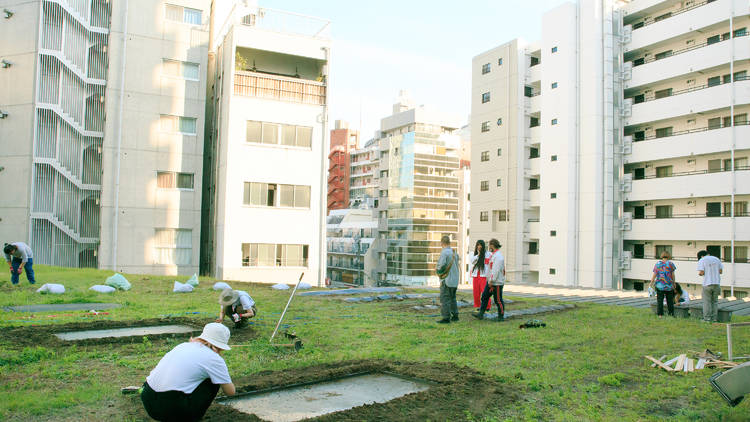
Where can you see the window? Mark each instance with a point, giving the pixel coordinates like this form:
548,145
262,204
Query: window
183,14
278,134
173,180
534,61
173,246
499,182
740,254
499,121
553,233
663,93
663,55
502,215
552,271
484,185
553,158
554,122
483,216
265,194
485,156
662,17
486,97
533,121
714,123
485,126
500,61
485,68
713,40
740,32
715,80
274,255
533,152
661,249
554,49
178,124
533,248
665,171
553,195
740,163
533,184
663,211
740,209
664,132
180,69
554,85
499,152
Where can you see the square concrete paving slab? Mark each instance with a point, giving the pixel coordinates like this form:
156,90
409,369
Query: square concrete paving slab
62,307
126,332
309,401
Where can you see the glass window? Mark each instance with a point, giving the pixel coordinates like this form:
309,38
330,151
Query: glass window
664,171
288,135
740,32
270,133
188,125
553,195
554,49
715,80
552,271
485,97
553,233
254,132
500,61
662,248
554,122
499,152
485,126
184,180
266,255
173,246
485,68
553,158
499,182
192,16
713,40
302,196
714,123
499,121
286,195
554,85
483,216
484,185
485,156
165,179
663,211
190,71
664,132
304,136
663,55
663,93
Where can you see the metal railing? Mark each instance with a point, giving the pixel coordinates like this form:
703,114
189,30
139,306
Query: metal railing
692,173
687,131
738,260
288,23
674,13
683,50
253,84
694,215
691,89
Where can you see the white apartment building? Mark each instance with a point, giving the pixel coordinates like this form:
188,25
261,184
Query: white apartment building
102,131
615,138
266,150
363,187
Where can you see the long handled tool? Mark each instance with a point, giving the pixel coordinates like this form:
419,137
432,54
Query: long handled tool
296,342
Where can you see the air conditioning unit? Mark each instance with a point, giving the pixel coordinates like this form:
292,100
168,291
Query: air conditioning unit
691,203
648,204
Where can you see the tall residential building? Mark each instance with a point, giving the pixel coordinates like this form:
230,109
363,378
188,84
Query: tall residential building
343,142
350,235
616,137
102,131
266,146
418,199
363,187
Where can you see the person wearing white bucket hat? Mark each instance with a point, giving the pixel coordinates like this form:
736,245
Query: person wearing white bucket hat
187,379
238,305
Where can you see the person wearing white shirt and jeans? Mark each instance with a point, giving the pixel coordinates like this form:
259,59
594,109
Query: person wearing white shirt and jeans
495,283
710,267
238,305
186,380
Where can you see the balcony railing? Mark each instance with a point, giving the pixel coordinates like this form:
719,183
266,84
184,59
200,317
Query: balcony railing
739,260
686,131
671,14
691,173
637,62
691,89
282,88
694,215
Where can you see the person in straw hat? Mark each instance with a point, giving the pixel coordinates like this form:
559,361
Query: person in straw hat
187,379
238,305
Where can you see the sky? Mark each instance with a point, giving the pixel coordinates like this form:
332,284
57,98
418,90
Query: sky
422,46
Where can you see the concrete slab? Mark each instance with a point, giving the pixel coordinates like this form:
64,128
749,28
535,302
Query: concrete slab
62,307
309,401
126,332
351,291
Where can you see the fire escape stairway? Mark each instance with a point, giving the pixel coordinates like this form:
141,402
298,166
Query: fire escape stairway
75,14
67,173
64,227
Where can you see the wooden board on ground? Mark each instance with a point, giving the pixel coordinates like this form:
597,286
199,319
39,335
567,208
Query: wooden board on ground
660,364
653,365
680,363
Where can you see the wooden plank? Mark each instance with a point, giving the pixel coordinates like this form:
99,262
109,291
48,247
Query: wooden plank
653,365
672,361
658,362
680,363
690,365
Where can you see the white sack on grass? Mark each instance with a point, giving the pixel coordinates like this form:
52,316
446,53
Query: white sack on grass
220,285
193,281
56,289
182,288
280,286
118,281
102,289
304,286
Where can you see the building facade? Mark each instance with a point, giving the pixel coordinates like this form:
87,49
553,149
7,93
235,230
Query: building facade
583,140
343,141
104,132
350,235
364,163
265,188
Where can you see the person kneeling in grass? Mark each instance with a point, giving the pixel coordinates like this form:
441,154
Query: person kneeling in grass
187,379
238,305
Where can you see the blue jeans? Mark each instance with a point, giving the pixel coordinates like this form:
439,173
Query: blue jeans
29,268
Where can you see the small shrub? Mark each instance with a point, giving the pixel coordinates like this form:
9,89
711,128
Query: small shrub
614,380
27,355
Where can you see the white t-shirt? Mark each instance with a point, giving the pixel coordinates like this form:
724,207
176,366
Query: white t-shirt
245,300
710,265
474,260
186,366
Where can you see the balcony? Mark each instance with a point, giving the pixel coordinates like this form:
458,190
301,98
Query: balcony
281,88
533,262
533,200
534,103
534,165
694,17
689,143
535,133
688,227
534,73
689,101
687,271
533,228
687,185
693,59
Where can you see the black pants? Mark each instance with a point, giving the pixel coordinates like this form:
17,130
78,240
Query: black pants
660,294
497,295
177,406
228,311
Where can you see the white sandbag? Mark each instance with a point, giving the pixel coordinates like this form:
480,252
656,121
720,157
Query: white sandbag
193,281
56,289
182,288
280,286
102,289
304,286
118,281
220,285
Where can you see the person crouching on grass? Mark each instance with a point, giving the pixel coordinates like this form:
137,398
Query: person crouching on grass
187,379
238,305
20,258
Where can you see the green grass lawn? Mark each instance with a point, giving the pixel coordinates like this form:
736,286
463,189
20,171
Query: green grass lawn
587,364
